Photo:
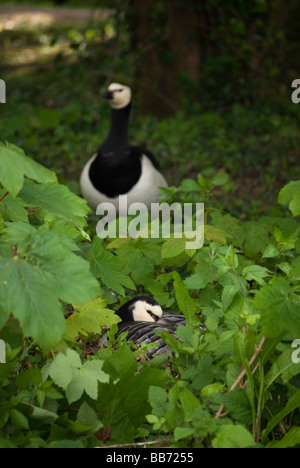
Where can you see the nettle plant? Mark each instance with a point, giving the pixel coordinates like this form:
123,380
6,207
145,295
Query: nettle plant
234,385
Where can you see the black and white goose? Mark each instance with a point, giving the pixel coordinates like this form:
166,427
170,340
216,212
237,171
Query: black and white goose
119,168
142,316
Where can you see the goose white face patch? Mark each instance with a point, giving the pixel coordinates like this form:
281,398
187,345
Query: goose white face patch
121,95
145,312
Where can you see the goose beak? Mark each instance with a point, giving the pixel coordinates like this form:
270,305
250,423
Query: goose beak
108,95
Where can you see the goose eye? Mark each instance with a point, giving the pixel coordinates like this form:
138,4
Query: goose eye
152,315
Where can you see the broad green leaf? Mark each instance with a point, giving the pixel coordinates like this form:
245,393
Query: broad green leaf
211,389
228,294
183,432
44,416
86,379
14,165
67,371
232,436
57,199
91,316
270,251
256,273
18,419
60,369
221,178
31,301
107,267
279,309
12,209
34,280
173,247
290,194
189,185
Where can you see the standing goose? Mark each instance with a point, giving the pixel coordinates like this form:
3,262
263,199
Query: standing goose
119,168
141,316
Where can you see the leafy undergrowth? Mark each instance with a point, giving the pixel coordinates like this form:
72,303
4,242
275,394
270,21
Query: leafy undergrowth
235,384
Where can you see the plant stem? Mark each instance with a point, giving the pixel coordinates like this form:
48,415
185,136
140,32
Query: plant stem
5,195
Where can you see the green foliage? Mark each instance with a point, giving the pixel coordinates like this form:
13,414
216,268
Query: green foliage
233,385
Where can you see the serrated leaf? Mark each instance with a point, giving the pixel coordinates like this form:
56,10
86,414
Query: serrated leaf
57,199
13,180
91,316
108,268
41,273
279,309
60,369
85,379
12,209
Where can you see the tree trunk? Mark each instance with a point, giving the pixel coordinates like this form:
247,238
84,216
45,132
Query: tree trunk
169,40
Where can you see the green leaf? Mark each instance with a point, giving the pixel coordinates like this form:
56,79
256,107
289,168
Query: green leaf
173,247
67,371
85,379
14,157
290,194
270,251
185,303
57,199
108,268
18,419
211,389
183,432
41,273
221,178
279,309
256,273
91,316
232,436
60,369
44,416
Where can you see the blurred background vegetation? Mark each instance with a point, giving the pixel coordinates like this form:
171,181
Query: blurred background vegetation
211,82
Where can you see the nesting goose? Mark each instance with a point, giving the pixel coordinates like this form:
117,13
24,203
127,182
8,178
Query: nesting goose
141,316
119,168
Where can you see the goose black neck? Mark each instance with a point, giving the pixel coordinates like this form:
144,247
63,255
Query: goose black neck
118,133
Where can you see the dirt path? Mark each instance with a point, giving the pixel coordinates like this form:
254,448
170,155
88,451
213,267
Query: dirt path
11,17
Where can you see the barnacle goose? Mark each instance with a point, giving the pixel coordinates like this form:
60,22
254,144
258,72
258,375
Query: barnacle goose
119,168
141,316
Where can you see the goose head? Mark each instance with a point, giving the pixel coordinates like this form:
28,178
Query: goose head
140,309
119,95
